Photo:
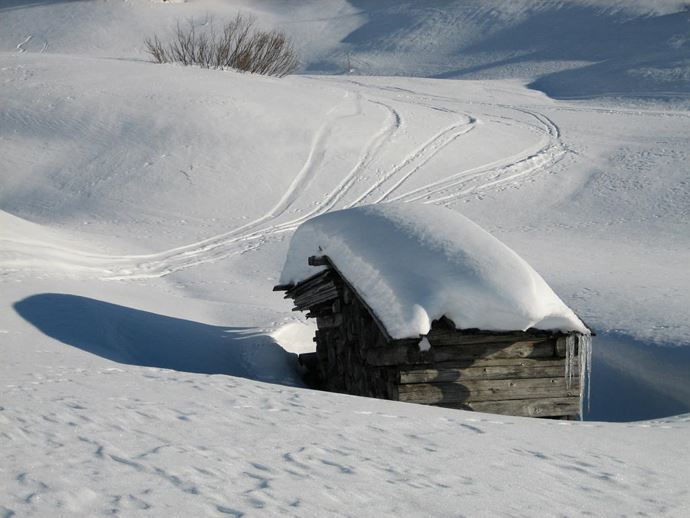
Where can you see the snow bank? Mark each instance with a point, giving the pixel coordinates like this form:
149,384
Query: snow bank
416,263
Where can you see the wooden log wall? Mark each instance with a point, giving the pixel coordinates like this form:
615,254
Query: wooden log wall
521,373
346,331
516,373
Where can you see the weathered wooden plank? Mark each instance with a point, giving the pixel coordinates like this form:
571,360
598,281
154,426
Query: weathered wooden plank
313,290
313,300
521,349
544,369
314,280
325,291
320,279
493,362
487,390
538,407
398,354
315,284
309,300
442,337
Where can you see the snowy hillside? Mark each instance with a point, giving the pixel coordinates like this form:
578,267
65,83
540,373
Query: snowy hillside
145,213
567,48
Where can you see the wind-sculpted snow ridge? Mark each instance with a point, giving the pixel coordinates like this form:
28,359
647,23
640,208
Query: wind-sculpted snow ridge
417,263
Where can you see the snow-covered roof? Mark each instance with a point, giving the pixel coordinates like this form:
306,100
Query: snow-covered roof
413,264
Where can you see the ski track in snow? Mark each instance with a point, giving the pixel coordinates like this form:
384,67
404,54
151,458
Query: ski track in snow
20,46
484,177
385,186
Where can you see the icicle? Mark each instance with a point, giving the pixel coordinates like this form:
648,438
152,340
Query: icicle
585,362
580,345
569,359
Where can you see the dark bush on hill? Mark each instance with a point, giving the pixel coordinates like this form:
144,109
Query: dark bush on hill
239,46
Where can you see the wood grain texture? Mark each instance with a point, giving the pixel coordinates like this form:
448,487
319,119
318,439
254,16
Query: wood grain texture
543,369
487,390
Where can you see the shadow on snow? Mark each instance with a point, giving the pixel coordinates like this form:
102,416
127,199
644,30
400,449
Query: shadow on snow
634,380
631,380
595,51
13,5
135,337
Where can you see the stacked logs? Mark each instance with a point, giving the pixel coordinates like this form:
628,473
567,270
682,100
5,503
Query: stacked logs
516,373
346,332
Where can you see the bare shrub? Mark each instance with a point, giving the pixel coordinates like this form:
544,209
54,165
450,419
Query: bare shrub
240,46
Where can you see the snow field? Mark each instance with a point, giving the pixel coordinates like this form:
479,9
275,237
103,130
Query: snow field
145,213
137,440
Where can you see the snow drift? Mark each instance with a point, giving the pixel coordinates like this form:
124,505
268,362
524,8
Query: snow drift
416,263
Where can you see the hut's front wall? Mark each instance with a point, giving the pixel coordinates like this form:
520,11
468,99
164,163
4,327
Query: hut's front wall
520,373
342,341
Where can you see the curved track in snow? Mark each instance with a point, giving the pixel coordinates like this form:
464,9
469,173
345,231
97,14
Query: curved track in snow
486,177
378,175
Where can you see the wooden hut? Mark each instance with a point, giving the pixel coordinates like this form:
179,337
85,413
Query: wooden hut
532,373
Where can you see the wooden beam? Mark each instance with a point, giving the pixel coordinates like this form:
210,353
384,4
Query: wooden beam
543,369
320,280
536,407
521,349
492,362
445,337
487,390
306,284
318,296
407,352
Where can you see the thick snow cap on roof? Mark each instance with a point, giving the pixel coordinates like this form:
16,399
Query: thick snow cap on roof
413,264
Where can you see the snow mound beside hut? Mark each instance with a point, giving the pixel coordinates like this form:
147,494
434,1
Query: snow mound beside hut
413,264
